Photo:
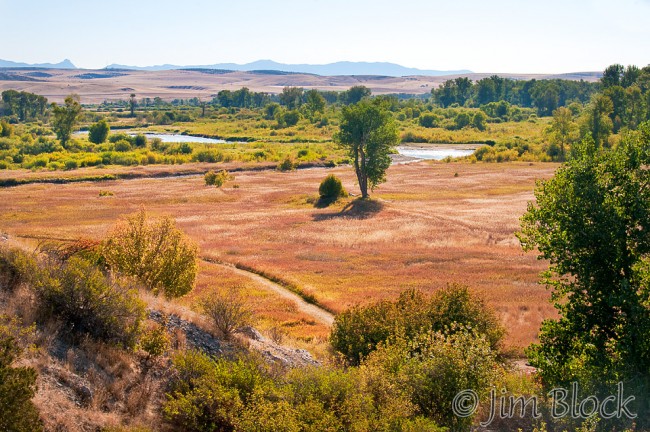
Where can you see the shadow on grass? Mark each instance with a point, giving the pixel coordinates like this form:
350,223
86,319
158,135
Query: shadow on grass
357,209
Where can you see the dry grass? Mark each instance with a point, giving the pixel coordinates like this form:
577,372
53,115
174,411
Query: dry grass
431,228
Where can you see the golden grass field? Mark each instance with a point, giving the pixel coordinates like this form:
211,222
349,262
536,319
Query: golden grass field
429,225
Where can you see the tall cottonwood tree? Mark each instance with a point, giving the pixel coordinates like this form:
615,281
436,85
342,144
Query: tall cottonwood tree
592,223
369,132
65,117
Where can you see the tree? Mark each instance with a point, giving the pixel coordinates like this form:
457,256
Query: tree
596,121
592,223
479,120
369,132
562,129
315,101
98,132
612,76
132,104
291,97
355,94
66,117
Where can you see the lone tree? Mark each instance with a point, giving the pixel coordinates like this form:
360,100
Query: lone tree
132,104
592,223
66,117
369,132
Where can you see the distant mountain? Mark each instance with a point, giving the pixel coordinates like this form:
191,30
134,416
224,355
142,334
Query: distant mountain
338,68
65,64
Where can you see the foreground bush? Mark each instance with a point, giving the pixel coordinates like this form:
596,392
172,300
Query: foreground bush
331,189
358,331
160,255
15,268
17,388
433,367
219,395
89,302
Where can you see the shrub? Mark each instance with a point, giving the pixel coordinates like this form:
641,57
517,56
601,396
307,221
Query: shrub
207,394
218,179
428,120
286,165
155,342
358,331
120,137
90,302
17,387
98,132
122,146
227,312
15,268
140,140
291,118
331,189
6,130
71,164
210,155
154,251
433,367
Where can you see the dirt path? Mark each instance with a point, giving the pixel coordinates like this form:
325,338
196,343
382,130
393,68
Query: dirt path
310,309
307,308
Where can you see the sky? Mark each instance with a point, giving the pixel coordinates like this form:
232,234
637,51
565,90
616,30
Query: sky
517,36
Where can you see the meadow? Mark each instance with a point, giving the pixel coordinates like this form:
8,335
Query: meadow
431,224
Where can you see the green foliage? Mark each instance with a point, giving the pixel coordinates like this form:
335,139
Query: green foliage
433,367
24,105
595,121
428,120
98,132
122,146
219,395
358,331
140,140
331,189
479,120
156,341
368,131
65,118
462,120
157,253
218,179
227,311
17,387
287,164
6,130
16,267
89,302
290,118
591,222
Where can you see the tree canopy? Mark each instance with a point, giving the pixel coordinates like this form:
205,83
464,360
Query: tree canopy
369,132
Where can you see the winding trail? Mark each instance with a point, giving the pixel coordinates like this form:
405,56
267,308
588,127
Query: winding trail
310,309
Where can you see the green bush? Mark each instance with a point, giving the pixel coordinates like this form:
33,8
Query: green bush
217,179
89,302
17,387
433,367
122,146
155,342
286,165
428,120
160,255
140,140
331,189
71,164
208,155
98,132
16,267
358,331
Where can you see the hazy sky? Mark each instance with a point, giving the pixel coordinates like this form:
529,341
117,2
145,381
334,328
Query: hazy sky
481,35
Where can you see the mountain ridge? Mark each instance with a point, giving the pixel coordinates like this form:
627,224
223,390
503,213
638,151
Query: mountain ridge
340,68
65,64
